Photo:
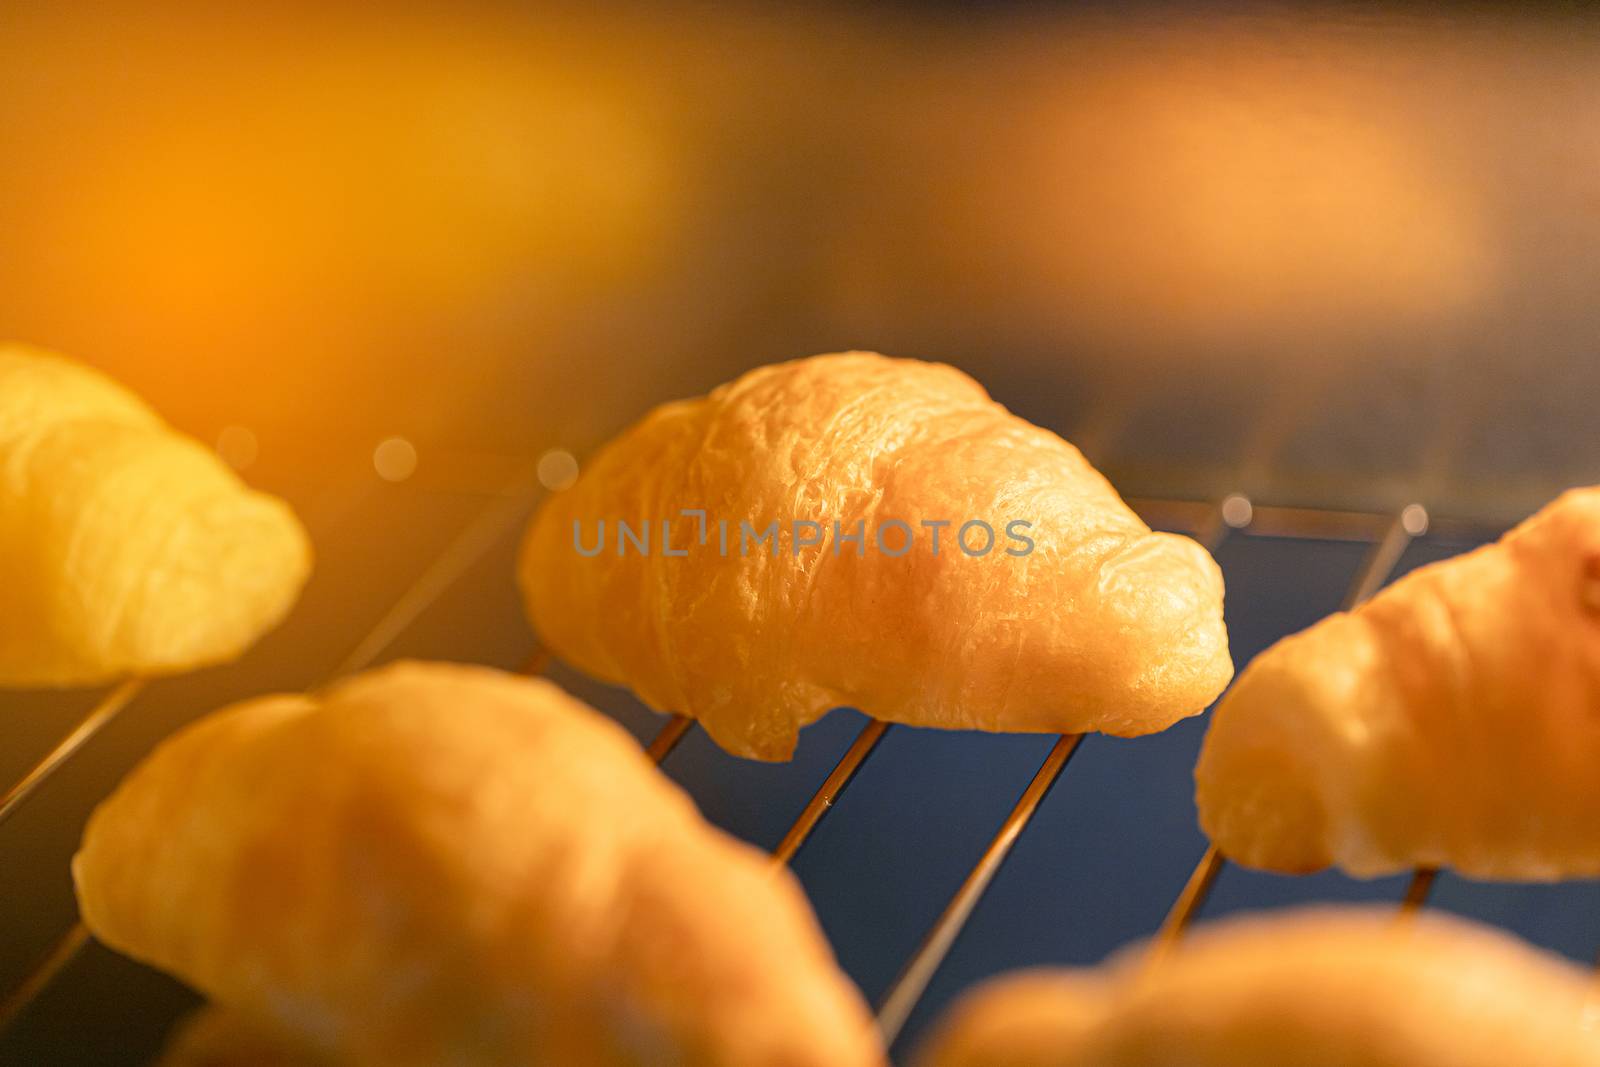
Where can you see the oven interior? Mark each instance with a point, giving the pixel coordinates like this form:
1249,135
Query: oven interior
1334,265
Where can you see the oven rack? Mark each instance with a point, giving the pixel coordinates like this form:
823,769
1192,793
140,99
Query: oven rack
1388,535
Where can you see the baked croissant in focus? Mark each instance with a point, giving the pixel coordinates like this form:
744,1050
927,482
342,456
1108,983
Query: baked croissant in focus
125,548
1316,988
1100,625
1452,720
433,864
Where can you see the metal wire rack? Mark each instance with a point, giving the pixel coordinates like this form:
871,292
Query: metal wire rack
1388,534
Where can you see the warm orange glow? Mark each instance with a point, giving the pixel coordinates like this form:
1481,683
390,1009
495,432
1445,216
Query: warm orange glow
502,228
1192,184
202,202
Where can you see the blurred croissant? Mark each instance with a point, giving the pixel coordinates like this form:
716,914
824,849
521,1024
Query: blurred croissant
1317,988
125,548
434,864
1067,615
1452,720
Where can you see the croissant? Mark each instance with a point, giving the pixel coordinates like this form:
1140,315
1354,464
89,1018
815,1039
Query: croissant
125,548
1452,720
929,558
1314,988
434,864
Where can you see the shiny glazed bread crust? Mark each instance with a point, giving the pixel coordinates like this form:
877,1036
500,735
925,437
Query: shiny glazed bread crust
125,548
1453,720
1102,626
434,864
1312,988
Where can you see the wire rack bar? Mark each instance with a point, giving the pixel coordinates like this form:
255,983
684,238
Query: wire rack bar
469,546
1402,528
913,981
1418,889
109,707
1195,891
823,800
675,730
63,952
1304,523
1409,524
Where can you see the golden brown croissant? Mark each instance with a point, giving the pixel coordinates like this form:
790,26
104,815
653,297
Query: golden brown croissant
435,864
851,462
125,548
1316,988
1452,720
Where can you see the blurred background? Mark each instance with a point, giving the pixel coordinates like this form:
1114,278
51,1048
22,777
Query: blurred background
387,260
496,228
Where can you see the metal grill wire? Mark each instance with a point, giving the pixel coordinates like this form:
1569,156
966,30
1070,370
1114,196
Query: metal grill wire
1209,523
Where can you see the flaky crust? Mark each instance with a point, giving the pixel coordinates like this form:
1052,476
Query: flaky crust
1102,626
1317,988
434,864
1452,720
125,548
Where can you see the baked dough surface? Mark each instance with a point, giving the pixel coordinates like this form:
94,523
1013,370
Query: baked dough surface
433,864
1453,720
1310,988
125,548
1103,625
